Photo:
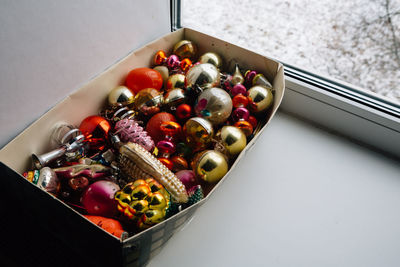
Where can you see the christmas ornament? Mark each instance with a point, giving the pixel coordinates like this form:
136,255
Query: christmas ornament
167,162
238,89
195,195
198,133
63,133
94,171
211,58
95,129
120,95
240,114
210,166
173,62
249,76
130,131
72,145
145,202
240,101
204,75
160,57
148,101
177,80
188,178
112,226
183,111
237,77
186,64
215,105
116,113
260,79
261,98
142,78
153,125
138,163
253,121
245,126
233,139
163,70
179,163
98,198
45,179
185,49
174,97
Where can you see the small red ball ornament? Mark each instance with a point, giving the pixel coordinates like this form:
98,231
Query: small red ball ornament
153,126
95,129
142,78
184,111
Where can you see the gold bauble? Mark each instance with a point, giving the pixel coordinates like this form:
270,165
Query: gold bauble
210,165
148,101
261,97
177,80
185,49
198,133
233,139
120,95
205,75
174,97
211,58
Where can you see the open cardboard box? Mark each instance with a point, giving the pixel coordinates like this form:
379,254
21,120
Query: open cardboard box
40,229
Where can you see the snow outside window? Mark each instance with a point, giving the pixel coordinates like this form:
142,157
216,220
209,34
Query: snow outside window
355,41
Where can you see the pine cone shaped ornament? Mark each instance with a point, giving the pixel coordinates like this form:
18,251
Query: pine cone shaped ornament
129,130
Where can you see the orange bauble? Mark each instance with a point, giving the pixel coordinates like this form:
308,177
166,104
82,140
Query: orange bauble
142,78
153,126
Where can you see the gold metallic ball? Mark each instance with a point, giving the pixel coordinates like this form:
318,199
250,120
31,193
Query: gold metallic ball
233,139
262,98
185,49
177,80
174,97
148,101
120,95
210,165
198,133
205,75
211,58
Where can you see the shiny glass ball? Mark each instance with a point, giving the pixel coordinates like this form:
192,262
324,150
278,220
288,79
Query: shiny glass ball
210,166
198,133
211,58
233,139
261,98
120,95
148,101
215,105
185,49
177,80
174,97
205,75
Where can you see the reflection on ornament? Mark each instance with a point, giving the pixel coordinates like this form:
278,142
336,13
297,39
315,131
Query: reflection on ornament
120,95
261,98
185,49
204,75
237,77
95,129
215,105
198,133
148,101
177,80
212,58
210,166
142,78
233,139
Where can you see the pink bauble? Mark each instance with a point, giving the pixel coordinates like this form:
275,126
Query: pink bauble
188,178
98,199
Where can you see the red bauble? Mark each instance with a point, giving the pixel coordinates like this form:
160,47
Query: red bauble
98,199
95,129
153,126
142,78
184,111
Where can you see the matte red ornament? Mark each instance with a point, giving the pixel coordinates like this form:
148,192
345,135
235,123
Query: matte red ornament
112,226
142,78
98,199
153,126
95,129
184,111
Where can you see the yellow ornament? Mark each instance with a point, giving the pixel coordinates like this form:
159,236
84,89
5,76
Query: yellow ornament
261,97
210,165
233,139
185,49
198,133
120,95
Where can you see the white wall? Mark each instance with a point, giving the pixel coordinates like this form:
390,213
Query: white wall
49,48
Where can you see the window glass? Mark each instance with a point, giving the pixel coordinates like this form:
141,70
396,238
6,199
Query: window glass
356,41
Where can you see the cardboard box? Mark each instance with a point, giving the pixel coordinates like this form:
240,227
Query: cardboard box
40,229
